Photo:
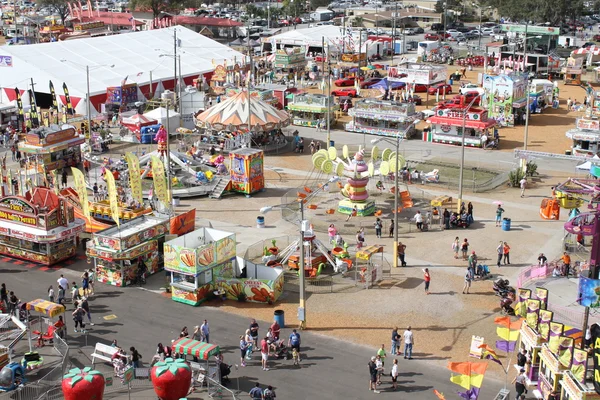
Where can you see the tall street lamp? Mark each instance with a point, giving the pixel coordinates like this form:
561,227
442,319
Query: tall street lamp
303,227
178,81
396,182
462,150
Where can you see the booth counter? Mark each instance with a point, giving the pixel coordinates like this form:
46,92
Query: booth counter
551,372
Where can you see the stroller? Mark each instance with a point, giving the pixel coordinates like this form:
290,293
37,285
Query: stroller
225,370
505,304
482,271
280,350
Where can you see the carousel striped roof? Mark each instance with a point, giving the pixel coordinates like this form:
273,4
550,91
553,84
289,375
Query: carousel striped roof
232,114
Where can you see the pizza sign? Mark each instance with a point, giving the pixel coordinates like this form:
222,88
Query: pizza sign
459,114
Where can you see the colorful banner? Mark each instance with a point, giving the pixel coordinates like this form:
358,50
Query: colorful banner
470,376
544,324
160,181
475,350
589,292
556,331
183,223
595,331
35,119
225,249
70,110
112,196
521,307
252,290
533,313
500,92
135,178
19,104
565,351
80,187
542,295
579,365
54,102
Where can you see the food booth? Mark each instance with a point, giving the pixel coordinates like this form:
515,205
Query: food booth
550,373
40,227
309,109
382,118
532,342
447,123
246,170
290,58
504,95
574,389
572,71
585,137
53,147
119,251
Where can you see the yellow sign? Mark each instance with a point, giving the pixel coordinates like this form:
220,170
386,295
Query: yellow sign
160,182
110,317
135,179
112,196
81,190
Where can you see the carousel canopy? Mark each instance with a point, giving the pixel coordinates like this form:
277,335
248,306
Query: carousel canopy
232,114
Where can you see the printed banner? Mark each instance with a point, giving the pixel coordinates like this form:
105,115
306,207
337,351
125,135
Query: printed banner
135,179
565,351
57,187
79,187
521,306
70,110
533,313
6,61
556,330
54,102
475,351
19,104
542,295
595,331
35,119
112,196
579,365
160,182
589,292
544,324
183,223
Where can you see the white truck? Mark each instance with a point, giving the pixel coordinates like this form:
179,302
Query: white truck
321,15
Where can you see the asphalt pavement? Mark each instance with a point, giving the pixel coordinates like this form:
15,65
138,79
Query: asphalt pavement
143,317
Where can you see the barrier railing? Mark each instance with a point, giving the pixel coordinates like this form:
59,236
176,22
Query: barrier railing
534,272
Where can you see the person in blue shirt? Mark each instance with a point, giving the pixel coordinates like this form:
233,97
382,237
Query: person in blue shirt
294,341
256,392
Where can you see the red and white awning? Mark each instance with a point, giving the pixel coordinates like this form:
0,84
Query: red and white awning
586,50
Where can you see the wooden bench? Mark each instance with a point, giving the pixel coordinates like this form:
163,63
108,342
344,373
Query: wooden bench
104,352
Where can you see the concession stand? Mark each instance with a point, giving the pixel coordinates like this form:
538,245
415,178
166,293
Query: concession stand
382,118
551,372
585,137
309,109
574,389
532,342
119,251
53,147
40,227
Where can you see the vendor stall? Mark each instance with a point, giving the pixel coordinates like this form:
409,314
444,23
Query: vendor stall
118,252
294,58
53,148
573,389
382,118
370,272
572,71
50,310
532,342
246,170
136,122
585,137
310,109
40,227
551,372
447,123
502,94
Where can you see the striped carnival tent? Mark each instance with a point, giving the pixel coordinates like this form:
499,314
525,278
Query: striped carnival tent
195,348
46,307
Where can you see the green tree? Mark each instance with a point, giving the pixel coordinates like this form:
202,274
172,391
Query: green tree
157,6
314,4
60,7
293,8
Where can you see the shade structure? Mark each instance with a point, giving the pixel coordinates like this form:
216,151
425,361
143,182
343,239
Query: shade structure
232,115
195,348
137,121
46,307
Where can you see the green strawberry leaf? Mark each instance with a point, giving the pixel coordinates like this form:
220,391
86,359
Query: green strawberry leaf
160,364
67,376
169,360
75,371
87,369
89,378
161,370
94,372
75,380
173,369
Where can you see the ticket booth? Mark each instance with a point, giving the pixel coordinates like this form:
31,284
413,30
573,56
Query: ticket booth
532,342
550,373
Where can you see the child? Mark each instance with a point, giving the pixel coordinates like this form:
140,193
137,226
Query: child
51,294
296,357
74,292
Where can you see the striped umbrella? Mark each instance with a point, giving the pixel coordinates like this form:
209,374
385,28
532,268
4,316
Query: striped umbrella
195,348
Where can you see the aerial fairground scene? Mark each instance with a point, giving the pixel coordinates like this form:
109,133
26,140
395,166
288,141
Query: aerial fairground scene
299,199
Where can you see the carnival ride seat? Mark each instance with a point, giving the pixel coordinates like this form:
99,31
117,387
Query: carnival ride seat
584,224
45,337
568,201
550,209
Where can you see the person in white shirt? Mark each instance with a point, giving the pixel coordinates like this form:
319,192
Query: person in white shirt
419,220
408,343
394,374
63,282
484,140
523,184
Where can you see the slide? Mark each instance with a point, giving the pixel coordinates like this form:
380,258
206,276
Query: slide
92,225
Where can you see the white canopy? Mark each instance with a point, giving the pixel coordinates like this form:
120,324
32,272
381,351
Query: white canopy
586,166
160,114
310,36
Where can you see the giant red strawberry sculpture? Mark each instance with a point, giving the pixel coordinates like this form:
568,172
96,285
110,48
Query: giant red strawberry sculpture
86,384
171,379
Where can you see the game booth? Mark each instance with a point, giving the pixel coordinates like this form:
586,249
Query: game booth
504,95
40,227
585,137
136,122
381,118
246,170
121,96
309,109
203,265
53,147
50,310
117,252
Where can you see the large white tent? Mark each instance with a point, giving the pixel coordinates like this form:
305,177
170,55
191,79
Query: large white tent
310,36
138,56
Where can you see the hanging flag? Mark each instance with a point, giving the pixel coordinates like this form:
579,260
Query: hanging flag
469,376
81,189
135,178
124,81
35,119
565,351
489,353
508,331
54,100
20,105
160,182
70,110
112,196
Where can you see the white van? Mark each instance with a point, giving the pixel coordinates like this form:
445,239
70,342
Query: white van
427,46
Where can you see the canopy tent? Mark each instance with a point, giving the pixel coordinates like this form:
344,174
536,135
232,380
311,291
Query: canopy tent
132,57
232,115
137,121
195,348
586,166
160,115
46,307
310,36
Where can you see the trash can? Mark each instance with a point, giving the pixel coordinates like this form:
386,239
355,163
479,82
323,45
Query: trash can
176,201
331,143
260,221
506,224
279,317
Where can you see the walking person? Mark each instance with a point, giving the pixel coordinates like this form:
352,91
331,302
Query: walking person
464,248
205,332
523,185
373,375
381,354
64,178
446,215
394,374
419,220
4,295
51,294
243,350
61,295
85,283
135,357
456,247
91,278
378,226
427,279
408,343
86,307
402,254
254,332
566,259
264,352
256,393
395,342
360,238
468,279
331,232
520,382
13,303
269,393
499,212
500,251
506,251
391,228
78,318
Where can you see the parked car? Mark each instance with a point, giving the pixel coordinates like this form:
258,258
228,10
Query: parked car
419,30
469,97
412,45
440,88
369,82
437,27
432,36
471,87
420,88
462,29
409,31
345,81
350,92
470,35
415,99
475,32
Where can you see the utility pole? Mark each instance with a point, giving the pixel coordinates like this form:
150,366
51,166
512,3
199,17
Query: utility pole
394,16
250,71
527,88
175,85
328,102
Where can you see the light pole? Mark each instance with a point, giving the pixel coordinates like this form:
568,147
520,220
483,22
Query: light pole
396,182
328,144
178,81
445,18
303,224
462,151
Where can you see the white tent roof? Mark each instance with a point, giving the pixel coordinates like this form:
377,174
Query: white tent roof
161,113
310,36
586,166
132,54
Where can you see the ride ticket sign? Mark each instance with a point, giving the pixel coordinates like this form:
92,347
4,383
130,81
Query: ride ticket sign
6,61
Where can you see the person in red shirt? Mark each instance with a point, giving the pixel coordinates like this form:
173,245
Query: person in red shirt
276,330
427,278
264,352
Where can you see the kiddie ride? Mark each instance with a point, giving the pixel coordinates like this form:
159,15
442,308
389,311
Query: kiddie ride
569,195
12,376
